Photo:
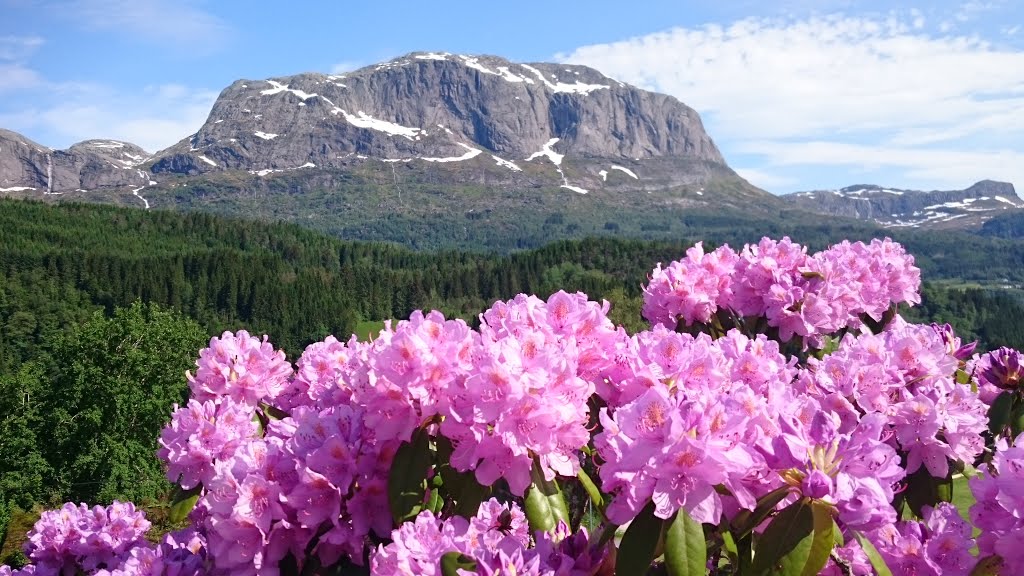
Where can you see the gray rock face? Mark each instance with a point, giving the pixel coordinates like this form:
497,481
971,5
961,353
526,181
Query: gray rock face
442,108
912,208
26,165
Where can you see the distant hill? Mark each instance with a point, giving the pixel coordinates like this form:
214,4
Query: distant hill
895,208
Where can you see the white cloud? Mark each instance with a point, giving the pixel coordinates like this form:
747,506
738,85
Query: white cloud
18,47
884,83
921,168
346,66
182,23
14,74
17,77
156,118
765,180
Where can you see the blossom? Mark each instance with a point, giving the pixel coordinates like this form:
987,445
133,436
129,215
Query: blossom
691,289
997,371
999,504
201,433
241,367
75,538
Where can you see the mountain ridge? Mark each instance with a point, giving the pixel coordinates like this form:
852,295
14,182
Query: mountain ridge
902,208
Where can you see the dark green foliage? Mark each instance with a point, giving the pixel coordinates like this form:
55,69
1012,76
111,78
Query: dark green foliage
1007,226
80,422
114,382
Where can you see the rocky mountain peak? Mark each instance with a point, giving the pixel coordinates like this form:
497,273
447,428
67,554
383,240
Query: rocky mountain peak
441,108
28,166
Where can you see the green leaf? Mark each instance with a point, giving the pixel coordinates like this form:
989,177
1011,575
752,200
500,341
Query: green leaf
636,551
923,489
452,561
999,412
686,550
183,501
592,490
873,556
729,544
406,489
462,487
785,545
545,504
823,539
747,520
988,566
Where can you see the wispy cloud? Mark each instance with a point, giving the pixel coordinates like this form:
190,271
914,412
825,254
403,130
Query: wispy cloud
18,47
155,118
182,23
14,73
346,66
868,86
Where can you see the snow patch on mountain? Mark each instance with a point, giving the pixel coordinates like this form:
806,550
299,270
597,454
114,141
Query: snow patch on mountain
472,153
626,170
363,120
574,88
277,88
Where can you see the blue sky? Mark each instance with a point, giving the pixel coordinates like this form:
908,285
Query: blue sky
797,94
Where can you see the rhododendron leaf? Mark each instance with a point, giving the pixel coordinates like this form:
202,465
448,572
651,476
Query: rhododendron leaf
182,502
463,487
273,412
595,494
785,546
745,522
873,556
406,478
1017,420
686,551
923,489
823,539
545,505
639,543
453,561
988,566
999,412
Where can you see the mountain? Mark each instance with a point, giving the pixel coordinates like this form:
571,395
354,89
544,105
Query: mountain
28,166
895,208
569,123
430,149
440,108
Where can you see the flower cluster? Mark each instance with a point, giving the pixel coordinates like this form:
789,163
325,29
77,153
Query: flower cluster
240,367
999,502
691,419
74,538
998,371
801,295
294,467
108,541
906,373
201,434
940,545
178,554
524,397
496,538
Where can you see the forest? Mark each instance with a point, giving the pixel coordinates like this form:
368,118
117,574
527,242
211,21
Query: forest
103,309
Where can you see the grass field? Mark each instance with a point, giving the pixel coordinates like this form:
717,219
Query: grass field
368,329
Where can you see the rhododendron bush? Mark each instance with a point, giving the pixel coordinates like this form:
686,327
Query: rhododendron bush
779,417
